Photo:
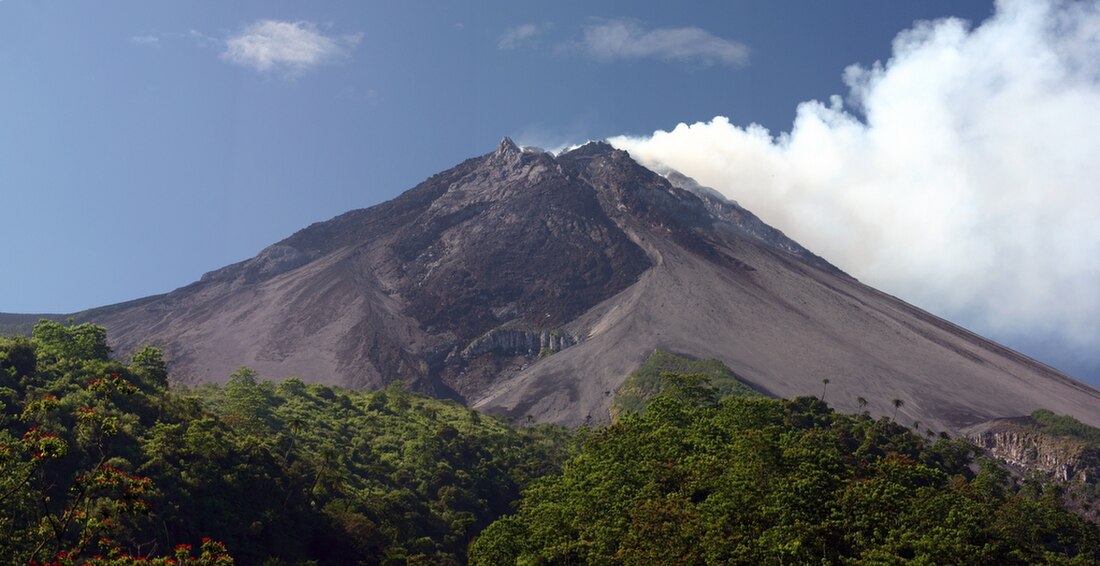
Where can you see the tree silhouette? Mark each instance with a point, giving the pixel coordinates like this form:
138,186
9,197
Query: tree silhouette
862,403
897,405
824,386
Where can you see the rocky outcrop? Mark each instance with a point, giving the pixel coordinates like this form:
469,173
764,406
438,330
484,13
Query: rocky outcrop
507,341
745,222
1017,442
272,261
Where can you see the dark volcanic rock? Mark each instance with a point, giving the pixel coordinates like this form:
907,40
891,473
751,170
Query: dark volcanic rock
516,240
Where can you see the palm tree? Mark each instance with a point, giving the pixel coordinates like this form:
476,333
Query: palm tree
824,386
897,405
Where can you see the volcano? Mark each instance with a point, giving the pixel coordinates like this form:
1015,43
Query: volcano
531,284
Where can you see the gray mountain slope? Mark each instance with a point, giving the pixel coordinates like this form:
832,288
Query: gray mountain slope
532,284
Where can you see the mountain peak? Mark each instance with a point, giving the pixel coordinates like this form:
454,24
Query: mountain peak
591,149
465,285
507,146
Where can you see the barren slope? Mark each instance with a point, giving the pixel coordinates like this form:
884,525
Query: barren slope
533,284
786,327
786,320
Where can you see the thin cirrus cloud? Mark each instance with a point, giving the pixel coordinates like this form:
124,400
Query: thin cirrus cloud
627,39
286,48
145,40
195,36
968,186
515,36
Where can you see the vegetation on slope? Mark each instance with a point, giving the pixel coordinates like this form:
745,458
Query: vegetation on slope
1082,492
646,381
102,463
100,458
1047,422
694,480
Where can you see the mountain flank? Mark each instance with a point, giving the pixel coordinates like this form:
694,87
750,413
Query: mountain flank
533,284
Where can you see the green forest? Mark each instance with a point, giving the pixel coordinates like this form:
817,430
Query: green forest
103,462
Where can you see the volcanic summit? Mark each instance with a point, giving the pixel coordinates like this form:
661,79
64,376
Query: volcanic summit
529,283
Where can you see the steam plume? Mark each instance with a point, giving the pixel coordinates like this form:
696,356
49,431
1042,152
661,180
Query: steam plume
962,175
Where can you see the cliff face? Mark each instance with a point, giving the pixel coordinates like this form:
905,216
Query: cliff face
1018,442
509,341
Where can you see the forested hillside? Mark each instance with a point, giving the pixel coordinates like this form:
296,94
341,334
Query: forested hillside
101,462
749,480
101,458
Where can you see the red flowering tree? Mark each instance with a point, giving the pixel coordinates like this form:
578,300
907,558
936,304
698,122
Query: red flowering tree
80,505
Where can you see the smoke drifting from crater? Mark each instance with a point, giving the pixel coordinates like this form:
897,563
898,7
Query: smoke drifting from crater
962,175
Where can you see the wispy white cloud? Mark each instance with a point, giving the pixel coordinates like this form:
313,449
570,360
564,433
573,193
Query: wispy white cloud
194,36
627,39
150,40
966,182
286,48
513,37
201,39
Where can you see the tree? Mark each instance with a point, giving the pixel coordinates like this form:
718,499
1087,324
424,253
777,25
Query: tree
693,388
75,342
17,359
824,386
246,406
898,403
149,365
862,403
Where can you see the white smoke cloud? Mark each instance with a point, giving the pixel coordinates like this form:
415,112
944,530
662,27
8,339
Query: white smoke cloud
966,179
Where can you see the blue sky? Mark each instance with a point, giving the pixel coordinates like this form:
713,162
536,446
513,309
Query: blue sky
145,143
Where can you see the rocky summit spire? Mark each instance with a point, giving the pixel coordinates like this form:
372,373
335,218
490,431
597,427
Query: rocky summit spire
507,146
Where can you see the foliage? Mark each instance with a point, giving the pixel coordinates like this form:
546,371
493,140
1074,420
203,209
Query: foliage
762,481
648,380
1082,491
102,463
1063,425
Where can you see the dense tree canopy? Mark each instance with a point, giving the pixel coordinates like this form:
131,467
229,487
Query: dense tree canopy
692,480
101,462
101,458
